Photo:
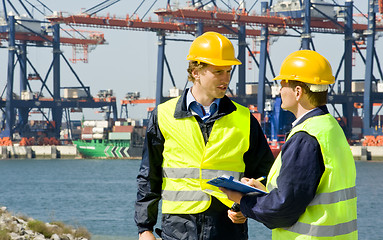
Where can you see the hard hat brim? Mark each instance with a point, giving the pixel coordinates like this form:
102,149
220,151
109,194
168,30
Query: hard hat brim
306,80
215,62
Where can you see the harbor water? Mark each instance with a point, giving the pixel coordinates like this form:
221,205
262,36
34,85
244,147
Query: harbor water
100,195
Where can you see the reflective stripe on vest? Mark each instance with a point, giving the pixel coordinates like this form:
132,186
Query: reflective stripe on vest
184,196
188,163
332,212
324,231
195,173
334,197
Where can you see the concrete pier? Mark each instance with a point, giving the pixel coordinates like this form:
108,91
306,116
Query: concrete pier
367,153
49,152
360,153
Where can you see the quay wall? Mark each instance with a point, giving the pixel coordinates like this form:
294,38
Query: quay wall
363,153
367,153
14,152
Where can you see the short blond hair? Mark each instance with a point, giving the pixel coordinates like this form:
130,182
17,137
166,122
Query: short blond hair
193,65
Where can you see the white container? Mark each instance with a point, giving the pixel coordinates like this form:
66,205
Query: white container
26,95
74,93
252,89
89,123
275,89
380,86
86,136
175,92
135,123
99,136
98,130
102,124
357,87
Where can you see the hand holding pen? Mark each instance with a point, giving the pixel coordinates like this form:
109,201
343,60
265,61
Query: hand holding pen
254,182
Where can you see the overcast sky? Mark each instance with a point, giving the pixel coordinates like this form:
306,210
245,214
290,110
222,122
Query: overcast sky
128,63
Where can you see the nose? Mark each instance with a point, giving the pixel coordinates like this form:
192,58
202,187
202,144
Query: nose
226,77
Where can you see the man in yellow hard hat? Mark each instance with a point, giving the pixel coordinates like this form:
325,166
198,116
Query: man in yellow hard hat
193,138
311,186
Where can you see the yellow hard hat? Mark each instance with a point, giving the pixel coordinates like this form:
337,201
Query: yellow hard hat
214,49
306,66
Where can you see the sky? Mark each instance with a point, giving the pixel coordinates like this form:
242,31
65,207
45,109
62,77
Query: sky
128,62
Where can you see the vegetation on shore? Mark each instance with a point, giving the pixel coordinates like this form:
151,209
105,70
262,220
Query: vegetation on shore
22,225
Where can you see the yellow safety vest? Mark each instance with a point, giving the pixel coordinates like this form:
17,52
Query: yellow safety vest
332,213
188,163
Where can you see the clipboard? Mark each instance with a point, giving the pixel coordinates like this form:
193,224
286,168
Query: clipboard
235,185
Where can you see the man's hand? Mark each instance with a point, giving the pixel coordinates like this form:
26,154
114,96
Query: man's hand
147,235
254,183
236,217
237,196
232,195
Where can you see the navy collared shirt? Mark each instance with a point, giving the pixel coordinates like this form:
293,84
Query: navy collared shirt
198,109
300,174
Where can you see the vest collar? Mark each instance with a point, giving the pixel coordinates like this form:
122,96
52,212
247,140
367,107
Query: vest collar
322,110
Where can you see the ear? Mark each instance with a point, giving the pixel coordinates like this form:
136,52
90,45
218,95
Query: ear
196,74
298,93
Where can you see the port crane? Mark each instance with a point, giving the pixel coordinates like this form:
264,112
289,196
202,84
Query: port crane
21,33
132,98
239,23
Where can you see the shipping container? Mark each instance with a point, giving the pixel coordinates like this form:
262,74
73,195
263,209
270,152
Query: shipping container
119,136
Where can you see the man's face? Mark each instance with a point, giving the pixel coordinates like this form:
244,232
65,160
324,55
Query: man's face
288,97
213,81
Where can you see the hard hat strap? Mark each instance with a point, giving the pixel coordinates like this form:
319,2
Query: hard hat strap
317,87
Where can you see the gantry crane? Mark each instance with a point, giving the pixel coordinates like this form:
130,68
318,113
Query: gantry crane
241,24
20,33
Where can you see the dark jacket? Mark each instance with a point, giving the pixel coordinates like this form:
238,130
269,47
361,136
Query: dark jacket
300,174
214,222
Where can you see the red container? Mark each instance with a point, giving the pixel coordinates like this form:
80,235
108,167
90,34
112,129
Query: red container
123,129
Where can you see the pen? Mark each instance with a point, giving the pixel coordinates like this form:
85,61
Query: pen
260,179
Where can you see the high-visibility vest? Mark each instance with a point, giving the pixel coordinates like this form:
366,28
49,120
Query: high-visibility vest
332,213
188,163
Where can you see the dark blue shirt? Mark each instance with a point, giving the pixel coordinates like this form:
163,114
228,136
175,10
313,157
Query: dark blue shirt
300,173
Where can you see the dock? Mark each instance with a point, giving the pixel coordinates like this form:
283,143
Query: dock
39,152
360,153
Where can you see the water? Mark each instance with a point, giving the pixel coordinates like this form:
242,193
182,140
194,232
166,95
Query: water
100,195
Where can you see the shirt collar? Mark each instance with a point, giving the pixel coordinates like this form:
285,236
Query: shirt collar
298,119
190,99
321,110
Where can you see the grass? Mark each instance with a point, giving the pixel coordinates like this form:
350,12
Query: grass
4,235
41,227
54,227
58,228
82,232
